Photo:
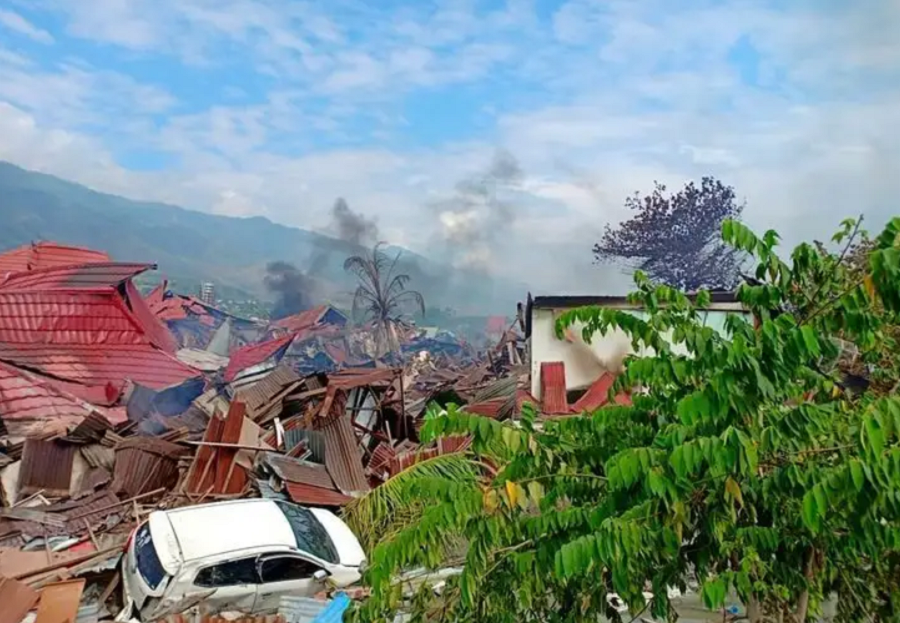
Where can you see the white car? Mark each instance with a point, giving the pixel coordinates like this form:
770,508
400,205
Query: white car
238,556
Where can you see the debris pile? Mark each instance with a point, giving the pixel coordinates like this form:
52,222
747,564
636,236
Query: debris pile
114,405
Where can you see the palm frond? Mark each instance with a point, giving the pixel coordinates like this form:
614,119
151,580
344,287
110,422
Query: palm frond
394,504
407,296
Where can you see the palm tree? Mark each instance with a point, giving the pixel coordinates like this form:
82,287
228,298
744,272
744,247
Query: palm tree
381,295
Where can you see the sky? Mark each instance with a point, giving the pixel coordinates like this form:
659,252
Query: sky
278,107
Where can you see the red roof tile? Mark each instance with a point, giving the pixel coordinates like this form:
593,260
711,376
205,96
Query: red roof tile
156,295
88,336
25,396
95,275
553,388
46,254
254,354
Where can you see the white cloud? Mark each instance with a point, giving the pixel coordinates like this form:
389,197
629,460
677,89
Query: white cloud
612,96
15,22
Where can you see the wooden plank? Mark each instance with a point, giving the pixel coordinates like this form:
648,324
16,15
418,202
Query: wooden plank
28,514
59,602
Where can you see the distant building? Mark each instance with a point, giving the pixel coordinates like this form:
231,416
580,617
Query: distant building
208,293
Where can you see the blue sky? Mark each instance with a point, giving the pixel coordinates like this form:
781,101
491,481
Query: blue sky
276,107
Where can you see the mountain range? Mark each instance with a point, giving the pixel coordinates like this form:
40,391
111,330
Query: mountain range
190,246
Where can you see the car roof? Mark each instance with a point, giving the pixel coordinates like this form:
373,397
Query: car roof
212,529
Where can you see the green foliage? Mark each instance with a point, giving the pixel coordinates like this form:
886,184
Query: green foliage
745,463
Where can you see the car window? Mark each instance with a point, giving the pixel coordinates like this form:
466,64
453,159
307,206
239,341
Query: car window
231,573
147,559
310,534
285,568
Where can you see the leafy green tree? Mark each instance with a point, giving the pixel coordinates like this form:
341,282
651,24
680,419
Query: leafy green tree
744,464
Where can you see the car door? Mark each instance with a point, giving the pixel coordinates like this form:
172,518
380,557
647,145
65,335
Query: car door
235,583
285,574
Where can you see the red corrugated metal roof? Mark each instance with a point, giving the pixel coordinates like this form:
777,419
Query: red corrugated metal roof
254,354
153,328
88,336
303,320
25,396
156,295
597,394
553,388
96,275
45,254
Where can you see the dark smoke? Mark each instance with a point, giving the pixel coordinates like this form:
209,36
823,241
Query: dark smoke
295,290
352,227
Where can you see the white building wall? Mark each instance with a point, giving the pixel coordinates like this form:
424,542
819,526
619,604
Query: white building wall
586,362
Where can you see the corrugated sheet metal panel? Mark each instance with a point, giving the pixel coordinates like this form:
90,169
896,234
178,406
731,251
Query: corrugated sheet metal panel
89,336
201,359
196,617
24,396
155,330
342,453
144,464
444,445
381,457
96,275
46,466
96,365
295,470
597,394
46,254
302,493
266,394
301,609
254,354
315,442
91,429
303,320
553,388
487,408
16,599
97,455
213,469
360,377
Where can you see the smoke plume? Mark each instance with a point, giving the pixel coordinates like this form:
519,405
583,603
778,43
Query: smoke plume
478,212
351,226
295,291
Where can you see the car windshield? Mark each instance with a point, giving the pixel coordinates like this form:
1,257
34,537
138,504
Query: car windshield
310,534
148,563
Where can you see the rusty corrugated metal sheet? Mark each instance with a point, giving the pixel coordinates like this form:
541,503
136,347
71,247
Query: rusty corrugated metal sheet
59,602
46,466
214,469
443,445
553,388
487,408
360,377
294,470
144,464
342,454
302,493
16,599
264,398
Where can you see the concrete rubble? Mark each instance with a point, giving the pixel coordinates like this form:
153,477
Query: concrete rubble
114,404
